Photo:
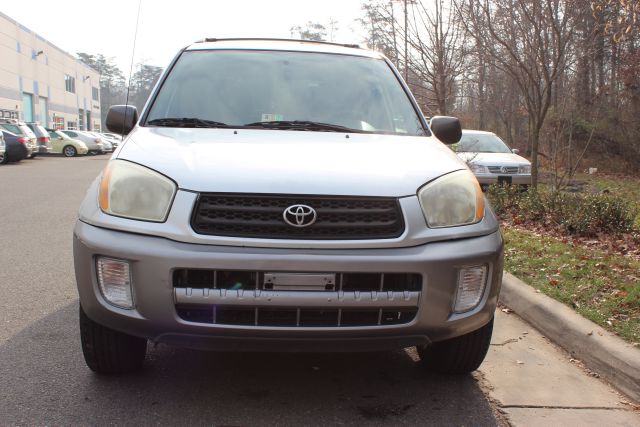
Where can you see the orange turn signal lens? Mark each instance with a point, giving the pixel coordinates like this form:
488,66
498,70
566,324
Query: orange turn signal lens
103,196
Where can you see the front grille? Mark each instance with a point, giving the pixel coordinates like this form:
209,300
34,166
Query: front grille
261,216
245,298
294,317
503,169
254,280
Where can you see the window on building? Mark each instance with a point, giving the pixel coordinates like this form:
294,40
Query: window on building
69,83
81,119
72,125
58,123
94,94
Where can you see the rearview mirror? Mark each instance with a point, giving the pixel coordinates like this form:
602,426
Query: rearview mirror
515,151
122,118
446,129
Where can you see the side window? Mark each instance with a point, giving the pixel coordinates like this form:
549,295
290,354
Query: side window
72,134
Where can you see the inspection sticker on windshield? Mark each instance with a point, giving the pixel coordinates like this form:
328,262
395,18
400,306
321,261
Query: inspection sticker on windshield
272,117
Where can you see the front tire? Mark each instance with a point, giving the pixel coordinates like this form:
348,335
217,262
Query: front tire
459,355
69,151
110,352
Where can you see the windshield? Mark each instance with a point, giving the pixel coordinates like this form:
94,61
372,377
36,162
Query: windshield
481,143
239,88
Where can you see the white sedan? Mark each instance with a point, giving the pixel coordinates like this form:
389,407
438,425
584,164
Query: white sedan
491,160
94,142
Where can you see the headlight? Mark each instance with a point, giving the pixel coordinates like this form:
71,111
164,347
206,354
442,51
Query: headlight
524,169
476,168
133,191
453,199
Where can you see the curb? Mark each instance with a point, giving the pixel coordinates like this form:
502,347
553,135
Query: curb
614,359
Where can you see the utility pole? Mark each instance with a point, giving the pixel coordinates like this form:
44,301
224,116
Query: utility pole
406,43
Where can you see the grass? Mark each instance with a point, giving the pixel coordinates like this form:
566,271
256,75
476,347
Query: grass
625,187
602,287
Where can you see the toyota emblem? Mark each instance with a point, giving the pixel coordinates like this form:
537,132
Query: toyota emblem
299,216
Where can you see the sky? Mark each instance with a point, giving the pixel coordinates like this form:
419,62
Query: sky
165,26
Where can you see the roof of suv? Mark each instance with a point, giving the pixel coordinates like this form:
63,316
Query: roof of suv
282,45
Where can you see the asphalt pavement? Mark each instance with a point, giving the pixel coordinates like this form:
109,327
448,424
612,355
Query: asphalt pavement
43,378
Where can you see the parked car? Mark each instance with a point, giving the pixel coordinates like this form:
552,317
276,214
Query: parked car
16,147
290,196
106,143
113,138
43,145
3,148
21,129
63,144
491,160
94,144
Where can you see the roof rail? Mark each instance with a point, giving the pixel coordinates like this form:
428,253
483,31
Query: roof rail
213,39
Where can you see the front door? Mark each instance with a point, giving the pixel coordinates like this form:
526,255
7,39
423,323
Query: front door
44,119
27,106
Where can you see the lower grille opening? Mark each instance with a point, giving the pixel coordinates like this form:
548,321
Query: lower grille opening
236,280
234,315
251,280
318,317
361,281
277,316
359,317
397,317
195,313
294,317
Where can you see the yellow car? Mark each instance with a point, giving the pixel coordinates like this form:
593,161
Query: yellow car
63,144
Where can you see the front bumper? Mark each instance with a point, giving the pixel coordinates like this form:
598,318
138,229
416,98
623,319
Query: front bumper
154,259
514,179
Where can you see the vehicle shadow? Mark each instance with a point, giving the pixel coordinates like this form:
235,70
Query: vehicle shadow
45,381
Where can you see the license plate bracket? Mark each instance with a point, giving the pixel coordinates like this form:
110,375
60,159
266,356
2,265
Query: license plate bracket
300,281
502,180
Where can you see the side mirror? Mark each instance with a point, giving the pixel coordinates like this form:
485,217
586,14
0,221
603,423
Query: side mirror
446,129
515,151
122,118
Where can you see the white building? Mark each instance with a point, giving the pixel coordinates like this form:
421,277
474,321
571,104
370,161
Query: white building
43,83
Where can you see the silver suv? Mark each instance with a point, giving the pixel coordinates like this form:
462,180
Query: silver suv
285,196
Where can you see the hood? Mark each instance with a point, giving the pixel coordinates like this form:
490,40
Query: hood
290,162
494,159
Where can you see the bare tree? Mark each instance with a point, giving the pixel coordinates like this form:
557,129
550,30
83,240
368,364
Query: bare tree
436,39
529,41
310,31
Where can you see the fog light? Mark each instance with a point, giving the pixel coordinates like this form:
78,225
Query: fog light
471,284
114,278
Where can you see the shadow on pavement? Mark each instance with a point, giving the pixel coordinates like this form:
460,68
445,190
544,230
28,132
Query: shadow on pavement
45,381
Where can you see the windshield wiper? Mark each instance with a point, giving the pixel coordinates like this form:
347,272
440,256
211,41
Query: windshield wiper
186,122
302,125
